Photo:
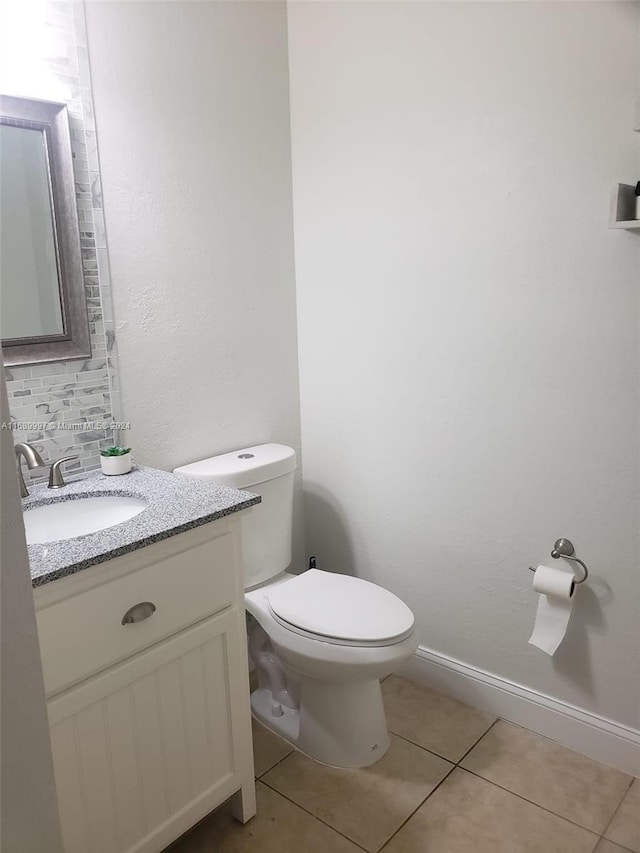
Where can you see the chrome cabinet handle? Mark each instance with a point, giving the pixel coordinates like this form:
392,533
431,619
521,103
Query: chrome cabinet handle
138,613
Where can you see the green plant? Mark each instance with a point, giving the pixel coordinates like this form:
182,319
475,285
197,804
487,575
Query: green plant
115,451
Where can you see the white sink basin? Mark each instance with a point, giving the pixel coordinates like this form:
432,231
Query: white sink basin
66,519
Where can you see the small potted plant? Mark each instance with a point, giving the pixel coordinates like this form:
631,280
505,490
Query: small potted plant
115,460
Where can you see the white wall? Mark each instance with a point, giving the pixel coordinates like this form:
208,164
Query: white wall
28,805
467,323
192,111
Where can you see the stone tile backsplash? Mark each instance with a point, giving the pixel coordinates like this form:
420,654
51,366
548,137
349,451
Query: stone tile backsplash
72,407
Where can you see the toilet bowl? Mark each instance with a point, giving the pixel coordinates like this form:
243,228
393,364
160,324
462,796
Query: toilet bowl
320,641
335,713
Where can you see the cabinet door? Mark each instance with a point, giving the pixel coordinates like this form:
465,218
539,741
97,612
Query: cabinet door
146,749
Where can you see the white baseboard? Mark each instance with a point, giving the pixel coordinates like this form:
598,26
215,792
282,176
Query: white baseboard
599,738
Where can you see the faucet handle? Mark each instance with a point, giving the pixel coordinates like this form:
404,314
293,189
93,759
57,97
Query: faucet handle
56,480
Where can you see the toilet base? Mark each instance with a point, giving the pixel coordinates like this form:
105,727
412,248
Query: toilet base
286,725
343,725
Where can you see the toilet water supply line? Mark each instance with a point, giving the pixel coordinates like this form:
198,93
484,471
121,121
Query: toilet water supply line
271,669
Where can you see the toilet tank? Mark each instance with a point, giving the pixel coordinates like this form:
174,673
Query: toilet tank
266,470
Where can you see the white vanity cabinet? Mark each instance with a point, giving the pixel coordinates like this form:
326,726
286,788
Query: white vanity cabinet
150,719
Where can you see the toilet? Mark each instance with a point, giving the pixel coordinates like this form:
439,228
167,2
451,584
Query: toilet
320,641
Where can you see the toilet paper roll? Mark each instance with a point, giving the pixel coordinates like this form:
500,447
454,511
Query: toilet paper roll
555,602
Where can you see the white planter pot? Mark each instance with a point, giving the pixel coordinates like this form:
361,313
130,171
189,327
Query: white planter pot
112,465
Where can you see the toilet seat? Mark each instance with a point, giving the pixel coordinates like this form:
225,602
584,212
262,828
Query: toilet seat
340,609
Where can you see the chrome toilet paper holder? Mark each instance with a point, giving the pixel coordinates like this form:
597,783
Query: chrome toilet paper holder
564,548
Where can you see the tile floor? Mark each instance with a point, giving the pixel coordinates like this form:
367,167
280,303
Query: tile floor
455,780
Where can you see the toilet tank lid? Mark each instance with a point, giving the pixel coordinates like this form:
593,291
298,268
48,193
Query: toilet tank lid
241,469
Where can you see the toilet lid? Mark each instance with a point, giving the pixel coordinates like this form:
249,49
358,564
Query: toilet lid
341,607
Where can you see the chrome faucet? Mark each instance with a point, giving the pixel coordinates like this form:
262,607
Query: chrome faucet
34,460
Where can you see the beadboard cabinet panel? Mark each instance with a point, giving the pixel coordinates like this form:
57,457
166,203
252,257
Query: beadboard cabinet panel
139,744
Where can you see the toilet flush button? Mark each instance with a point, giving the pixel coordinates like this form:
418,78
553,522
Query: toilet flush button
246,456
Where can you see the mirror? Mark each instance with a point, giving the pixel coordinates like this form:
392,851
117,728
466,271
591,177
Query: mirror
43,315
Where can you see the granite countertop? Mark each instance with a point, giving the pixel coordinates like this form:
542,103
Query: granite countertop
175,503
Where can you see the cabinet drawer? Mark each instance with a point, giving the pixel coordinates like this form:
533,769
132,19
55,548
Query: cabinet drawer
84,634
